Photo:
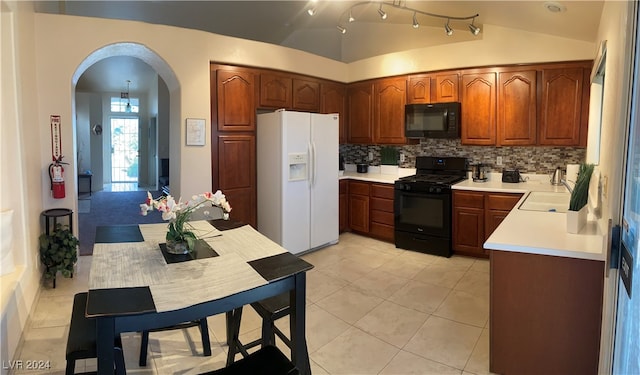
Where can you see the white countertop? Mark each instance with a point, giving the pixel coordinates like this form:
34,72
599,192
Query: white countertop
524,231
385,174
538,232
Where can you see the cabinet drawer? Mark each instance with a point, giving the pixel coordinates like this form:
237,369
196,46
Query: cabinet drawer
359,188
382,217
382,191
503,202
468,199
382,231
385,205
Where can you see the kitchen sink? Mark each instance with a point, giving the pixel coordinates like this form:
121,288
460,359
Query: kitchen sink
546,201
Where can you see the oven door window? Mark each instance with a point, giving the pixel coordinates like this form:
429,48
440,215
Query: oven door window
424,213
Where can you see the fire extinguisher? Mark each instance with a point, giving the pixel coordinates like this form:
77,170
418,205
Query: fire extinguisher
56,176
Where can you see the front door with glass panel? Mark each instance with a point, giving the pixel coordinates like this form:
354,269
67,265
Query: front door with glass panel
124,149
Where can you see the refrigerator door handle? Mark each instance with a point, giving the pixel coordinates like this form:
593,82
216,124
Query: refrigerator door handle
310,164
313,164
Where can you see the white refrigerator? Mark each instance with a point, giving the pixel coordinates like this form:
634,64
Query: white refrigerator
297,167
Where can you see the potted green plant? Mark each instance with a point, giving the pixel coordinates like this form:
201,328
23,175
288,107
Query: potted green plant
577,214
58,252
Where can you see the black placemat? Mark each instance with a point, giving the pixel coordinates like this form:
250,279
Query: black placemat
223,225
279,266
135,300
202,250
118,233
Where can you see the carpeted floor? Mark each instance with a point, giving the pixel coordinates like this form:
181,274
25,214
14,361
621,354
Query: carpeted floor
111,208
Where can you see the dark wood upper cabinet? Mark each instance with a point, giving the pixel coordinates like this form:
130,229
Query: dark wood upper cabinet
236,99
561,107
389,100
478,123
276,90
433,88
446,88
517,108
333,100
419,89
360,112
306,95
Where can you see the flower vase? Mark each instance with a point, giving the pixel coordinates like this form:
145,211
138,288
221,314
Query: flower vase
177,247
576,220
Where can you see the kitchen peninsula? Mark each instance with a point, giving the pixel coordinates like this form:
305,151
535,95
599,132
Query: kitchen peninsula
546,291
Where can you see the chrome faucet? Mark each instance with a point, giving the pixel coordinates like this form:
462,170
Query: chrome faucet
564,182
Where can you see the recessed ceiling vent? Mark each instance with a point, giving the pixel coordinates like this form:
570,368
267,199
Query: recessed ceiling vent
554,7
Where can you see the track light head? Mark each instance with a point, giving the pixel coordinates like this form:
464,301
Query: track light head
351,19
311,11
342,29
382,13
448,28
415,21
474,29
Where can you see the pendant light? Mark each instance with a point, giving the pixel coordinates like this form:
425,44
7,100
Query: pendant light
128,107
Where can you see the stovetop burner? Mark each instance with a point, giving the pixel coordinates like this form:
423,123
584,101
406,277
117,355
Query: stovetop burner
439,179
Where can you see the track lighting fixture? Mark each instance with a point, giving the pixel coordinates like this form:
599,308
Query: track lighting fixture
448,28
474,29
399,4
311,11
382,13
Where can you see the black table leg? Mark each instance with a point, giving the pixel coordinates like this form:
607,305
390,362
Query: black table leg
300,354
105,338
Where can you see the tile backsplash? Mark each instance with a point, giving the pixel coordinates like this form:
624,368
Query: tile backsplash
533,159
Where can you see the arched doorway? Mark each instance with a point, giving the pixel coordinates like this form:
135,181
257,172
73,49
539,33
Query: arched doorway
120,139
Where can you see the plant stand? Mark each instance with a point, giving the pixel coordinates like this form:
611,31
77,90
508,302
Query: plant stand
51,221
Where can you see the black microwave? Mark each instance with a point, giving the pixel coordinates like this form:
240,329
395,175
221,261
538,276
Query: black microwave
435,120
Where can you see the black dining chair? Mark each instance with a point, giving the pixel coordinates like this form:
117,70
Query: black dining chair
270,310
81,341
201,213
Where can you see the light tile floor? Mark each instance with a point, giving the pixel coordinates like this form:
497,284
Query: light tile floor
371,309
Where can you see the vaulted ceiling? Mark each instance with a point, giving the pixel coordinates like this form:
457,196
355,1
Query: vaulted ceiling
288,23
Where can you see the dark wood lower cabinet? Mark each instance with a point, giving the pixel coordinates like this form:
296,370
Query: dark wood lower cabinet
237,174
546,313
343,225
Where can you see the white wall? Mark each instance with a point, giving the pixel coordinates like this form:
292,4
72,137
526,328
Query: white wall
21,185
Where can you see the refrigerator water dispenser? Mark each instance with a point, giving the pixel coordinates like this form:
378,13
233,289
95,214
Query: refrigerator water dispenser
298,166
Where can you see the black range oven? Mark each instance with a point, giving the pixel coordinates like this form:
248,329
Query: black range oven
422,205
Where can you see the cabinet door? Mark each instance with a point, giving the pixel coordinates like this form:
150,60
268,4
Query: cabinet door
344,206
306,95
236,99
275,90
237,175
419,89
517,108
333,100
359,213
478,121
561,108
468,230
360,112
492,219
388,108
468,222
446,88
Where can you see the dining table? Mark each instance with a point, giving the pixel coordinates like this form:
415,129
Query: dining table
136,285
